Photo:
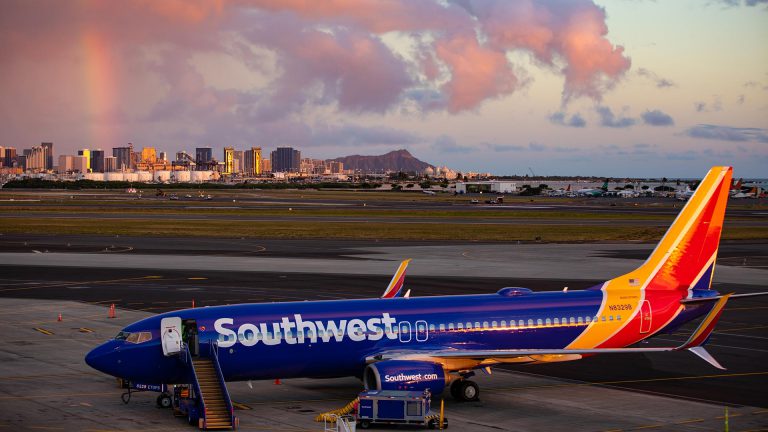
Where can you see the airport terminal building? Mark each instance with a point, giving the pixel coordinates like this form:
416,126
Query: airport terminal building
489,186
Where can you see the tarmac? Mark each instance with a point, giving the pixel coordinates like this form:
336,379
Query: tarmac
45,385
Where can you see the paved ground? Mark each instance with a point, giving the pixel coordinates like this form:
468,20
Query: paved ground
45,385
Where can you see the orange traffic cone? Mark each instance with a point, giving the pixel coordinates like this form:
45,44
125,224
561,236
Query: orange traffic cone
112,311
59,317
193,303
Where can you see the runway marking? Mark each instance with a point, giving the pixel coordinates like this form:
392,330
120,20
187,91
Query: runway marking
197,278
597,383
719,346
85,330
56,395
690,421
682,422
241,406
45,376
740,335
106,301
44,331
64,284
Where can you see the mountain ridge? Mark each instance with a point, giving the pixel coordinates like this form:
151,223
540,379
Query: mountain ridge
396,160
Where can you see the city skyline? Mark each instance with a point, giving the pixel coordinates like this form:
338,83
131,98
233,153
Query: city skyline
612,88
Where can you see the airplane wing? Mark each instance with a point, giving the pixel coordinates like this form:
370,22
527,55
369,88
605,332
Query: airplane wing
487,357
397,282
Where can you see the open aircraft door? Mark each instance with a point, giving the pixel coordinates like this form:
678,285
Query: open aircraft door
645,317
170,330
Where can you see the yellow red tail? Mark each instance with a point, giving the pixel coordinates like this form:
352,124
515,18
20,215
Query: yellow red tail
646,299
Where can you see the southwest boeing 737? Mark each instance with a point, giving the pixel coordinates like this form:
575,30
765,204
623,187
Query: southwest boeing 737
411,343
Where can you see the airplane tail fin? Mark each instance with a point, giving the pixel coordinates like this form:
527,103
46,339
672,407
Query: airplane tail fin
398,280
682,264
684,259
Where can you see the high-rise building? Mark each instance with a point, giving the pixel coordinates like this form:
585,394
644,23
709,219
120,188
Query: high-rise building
35,158
266,165
80,164
87,154
21,162
48,147
66,164
252,163
239,162
10,157
229,156
203,157
162,157
336,167
2,156
97,160
286,159
122,157
110,164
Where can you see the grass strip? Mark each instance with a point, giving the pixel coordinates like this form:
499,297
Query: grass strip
341,230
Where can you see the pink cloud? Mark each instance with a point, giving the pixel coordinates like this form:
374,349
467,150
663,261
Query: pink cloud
570,33
477,73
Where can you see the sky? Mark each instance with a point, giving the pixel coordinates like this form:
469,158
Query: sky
620,88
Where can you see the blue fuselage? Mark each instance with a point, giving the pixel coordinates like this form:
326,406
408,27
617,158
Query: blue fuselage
334,338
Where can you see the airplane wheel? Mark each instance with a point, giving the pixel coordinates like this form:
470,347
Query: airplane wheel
468,391
164,401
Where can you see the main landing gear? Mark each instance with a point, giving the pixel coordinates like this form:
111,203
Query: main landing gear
464,390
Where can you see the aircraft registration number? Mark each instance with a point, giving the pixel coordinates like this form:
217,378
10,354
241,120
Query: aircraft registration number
620,307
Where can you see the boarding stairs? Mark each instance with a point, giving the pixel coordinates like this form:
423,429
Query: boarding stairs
208,381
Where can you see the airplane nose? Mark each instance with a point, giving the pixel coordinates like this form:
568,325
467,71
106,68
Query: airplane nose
103,358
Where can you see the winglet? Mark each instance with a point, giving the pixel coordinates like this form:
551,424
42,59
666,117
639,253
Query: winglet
396,285
702,333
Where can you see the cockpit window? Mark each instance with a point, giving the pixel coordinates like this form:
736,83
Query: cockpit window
135,337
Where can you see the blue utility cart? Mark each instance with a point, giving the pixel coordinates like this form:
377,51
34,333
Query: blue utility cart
397,407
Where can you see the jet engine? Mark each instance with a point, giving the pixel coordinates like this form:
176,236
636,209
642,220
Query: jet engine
405,375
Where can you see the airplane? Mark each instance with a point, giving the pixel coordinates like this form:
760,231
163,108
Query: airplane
684,195
593,192
400,342
736,187
752,193
429,192
561,192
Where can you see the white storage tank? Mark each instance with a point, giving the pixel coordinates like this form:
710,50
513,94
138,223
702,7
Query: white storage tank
200,176
94,176
143,176
130,177
162,176
113,176
182,176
